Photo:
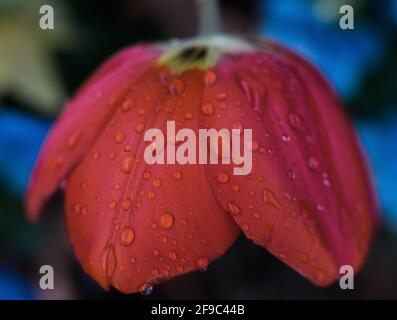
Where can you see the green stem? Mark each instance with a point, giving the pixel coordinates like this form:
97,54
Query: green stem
208,17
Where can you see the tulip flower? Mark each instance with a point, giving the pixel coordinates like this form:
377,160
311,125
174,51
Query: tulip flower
308,198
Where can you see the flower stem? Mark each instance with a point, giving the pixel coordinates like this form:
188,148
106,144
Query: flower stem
208,17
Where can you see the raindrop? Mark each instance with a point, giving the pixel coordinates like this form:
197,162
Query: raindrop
119,137
126,204
312,163
233,208
270,198
202,263
176,87
291,174
146,289
157,183
295,120
166,220
209,78
172,255
188,116
73,139
127,163
221,96
127,236
285,138
207,109
127,105
235,187
140,127
223,178
177,175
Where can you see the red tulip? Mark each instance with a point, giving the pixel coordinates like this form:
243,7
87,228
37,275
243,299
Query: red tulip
308,199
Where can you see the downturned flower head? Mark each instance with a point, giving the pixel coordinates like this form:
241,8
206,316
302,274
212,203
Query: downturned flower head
307,198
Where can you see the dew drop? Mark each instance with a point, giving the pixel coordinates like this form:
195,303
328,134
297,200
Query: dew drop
166,220
119,137
126,204
270,198
146,289
207,109
202,263
188,116
154,272
172,255
221,96
233,208
223,178
73,139
141,111
127,236
257,215
176,87
291,174
177,175
235,187
127,105
140,127
96,155
295,120
209,78
157,183
312,163
285,138
127,163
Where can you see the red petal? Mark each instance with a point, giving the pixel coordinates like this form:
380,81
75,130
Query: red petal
308,199
81,122
132,224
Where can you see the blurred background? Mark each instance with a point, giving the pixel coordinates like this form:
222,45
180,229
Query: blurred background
39,71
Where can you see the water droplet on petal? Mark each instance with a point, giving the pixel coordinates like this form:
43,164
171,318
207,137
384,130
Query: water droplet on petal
291,174
209,78
312,163
166,220
233,208
73,139
157,183
235,187
127,163
188,116
223,178
177,175
207,109
285,138
295,120
172,255
146,289
127,105
221,96
126,204
140,127
176,87
127,236
119,137
270,198
202,263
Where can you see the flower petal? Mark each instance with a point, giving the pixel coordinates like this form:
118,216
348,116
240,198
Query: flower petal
81,122
131,224
308,199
